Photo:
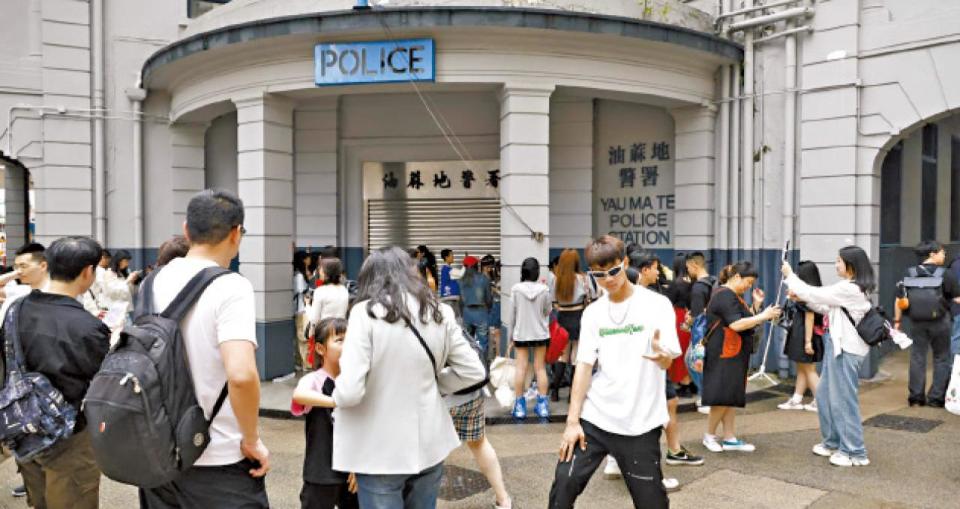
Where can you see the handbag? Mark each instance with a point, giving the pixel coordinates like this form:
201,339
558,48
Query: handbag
559,338
433,360
873,327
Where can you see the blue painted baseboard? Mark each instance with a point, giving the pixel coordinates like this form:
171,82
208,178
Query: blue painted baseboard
276,350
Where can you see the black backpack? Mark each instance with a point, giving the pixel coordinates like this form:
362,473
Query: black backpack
925,293
145,423
33,413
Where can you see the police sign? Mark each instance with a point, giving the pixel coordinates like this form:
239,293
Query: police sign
375,62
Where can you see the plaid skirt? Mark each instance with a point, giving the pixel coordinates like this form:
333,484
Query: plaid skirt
468,419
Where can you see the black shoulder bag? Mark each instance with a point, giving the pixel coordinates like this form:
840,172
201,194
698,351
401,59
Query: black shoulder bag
433,360
873,328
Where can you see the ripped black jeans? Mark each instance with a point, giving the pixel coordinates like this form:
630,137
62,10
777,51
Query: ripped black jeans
639,460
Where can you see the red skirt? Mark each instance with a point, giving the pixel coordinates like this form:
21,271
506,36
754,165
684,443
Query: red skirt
678,370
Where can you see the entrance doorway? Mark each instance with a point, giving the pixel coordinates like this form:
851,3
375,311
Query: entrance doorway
440,204
15,209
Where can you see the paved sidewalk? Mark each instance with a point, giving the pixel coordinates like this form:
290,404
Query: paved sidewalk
914,452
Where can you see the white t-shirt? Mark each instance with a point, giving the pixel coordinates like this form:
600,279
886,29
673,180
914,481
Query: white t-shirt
329,301
299,286
627,395
225,312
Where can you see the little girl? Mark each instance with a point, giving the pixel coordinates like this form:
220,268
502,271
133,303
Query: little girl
323,488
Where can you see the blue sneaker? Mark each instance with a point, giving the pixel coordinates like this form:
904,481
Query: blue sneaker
543,407
520,408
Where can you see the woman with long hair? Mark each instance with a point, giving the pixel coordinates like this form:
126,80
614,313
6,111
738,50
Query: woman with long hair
427,265
392,426
571,295
844,303
729,343
301,287
804,344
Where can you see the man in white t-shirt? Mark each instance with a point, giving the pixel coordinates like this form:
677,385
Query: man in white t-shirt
630,336
30,267
220,337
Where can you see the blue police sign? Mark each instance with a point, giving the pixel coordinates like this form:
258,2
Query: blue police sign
375,62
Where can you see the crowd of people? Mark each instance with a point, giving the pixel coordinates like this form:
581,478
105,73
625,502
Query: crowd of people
395,364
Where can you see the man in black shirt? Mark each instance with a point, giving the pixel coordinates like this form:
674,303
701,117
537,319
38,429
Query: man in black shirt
703,283
931,332
67,345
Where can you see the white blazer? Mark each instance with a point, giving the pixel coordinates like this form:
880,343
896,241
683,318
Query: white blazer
390,417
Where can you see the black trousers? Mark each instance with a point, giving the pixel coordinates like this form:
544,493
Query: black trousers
637,456
222,487
327,496
933,335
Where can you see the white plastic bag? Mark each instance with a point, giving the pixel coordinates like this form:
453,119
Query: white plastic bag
952,403
502,371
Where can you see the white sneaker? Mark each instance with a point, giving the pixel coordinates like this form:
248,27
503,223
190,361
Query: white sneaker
737,445
791,404
612,470
842,460
822,450
811,407
704,410
670,484
711,443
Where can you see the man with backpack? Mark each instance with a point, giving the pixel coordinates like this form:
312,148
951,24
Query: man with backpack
219,335
930,288
59,340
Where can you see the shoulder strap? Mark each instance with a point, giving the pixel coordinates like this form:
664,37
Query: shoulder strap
849,317
219,404
13,350
433,360
939,272
912,272
191,292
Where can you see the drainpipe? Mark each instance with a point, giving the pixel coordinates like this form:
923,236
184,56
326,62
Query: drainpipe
735,142
723,179
136,96
747,155
99,167
790,138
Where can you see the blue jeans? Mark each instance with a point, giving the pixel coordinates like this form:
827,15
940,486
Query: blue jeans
955,336
414,491
476,324
838,402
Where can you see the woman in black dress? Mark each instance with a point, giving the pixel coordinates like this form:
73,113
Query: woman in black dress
729,345
804,342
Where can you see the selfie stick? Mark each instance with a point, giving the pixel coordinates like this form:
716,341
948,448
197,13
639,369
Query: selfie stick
762,372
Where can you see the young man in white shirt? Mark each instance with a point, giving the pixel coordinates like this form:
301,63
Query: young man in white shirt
630,336
30,267
221,342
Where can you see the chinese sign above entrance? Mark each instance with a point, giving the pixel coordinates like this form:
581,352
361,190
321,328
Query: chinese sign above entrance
433,179
634,168
374,62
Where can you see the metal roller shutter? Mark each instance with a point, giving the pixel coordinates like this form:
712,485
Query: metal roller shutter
464,225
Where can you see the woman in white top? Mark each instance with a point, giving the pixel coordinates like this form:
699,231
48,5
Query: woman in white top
300,287
393,429
844,351
331,298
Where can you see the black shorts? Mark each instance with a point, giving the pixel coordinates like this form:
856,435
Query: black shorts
221,487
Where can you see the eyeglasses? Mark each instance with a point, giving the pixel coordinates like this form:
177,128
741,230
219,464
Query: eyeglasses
243,231
603,274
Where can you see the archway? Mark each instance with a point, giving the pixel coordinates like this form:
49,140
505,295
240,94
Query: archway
919,197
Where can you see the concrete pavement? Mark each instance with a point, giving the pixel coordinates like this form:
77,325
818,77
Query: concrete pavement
914,452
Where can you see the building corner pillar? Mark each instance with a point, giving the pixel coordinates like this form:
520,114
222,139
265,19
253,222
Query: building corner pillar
265,184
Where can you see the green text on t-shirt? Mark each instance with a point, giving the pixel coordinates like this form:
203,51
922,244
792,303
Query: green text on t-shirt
626,329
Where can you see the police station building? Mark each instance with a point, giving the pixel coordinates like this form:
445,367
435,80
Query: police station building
511,127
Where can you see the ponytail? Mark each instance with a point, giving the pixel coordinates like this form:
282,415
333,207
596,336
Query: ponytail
743,269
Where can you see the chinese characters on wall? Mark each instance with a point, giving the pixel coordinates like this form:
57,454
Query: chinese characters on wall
416,180
634,192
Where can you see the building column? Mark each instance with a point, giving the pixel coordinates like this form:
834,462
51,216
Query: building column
63,183
524,181
186,169
265,184
693,219
571,173
315,169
